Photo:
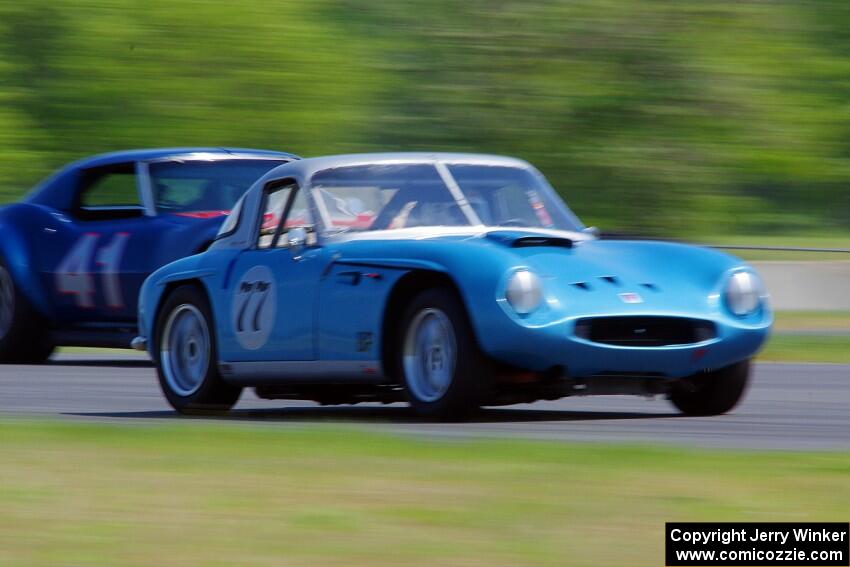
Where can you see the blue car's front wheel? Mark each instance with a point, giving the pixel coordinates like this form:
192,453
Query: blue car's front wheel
712,392
444,372
430,354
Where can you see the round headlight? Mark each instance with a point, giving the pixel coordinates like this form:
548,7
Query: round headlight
743,293
524,292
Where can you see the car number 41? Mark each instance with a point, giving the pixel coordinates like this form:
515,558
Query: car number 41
74,275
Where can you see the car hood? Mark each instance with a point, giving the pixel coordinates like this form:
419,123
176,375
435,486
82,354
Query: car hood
631,276
581,274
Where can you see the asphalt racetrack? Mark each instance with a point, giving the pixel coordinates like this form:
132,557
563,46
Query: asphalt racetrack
789,406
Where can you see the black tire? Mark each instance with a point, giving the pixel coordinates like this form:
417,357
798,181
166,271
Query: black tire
469,380
712,393
211,393
24,333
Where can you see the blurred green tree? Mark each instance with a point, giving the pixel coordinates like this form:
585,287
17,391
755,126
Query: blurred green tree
691,118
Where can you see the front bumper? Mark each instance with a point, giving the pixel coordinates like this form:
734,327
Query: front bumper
557,346
139,343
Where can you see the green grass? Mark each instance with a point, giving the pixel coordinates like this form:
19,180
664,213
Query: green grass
812,321
219,495
832,241
92,351
807,348
786,346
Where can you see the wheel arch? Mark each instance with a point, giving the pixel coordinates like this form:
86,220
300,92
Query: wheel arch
17,253
407,287
204,246
169,288
205,391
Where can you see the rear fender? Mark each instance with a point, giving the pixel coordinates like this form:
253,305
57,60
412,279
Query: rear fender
18,253
192,269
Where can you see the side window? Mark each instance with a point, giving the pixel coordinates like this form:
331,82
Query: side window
299,215
109,193
274,209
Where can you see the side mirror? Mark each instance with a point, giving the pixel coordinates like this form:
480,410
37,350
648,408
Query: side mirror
296,238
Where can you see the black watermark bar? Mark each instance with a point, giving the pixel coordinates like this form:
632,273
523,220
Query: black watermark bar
765,544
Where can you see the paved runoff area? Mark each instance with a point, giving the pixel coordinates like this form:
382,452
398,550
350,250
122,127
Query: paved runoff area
814,286
789,406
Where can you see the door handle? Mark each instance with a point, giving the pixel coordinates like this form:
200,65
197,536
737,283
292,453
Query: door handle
350,278
354,278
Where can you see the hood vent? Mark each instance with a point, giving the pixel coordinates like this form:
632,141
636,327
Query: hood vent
525,240
614,281
532,241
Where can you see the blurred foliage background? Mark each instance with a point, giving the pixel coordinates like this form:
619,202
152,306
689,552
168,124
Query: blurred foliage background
683,118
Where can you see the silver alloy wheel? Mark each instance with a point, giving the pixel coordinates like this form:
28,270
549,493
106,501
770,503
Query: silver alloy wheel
185,350
7,302
430,355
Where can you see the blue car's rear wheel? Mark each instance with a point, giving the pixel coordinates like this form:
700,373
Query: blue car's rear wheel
185,350
185,355
24,334
712,393
444,373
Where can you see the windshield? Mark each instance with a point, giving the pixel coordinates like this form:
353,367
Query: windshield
387,197
204,186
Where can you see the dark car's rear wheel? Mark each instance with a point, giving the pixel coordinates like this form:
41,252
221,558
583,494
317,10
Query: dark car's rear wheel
23,332
185,355
443,370
712,393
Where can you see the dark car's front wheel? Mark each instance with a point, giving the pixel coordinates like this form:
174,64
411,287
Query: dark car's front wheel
444,372
23,332
712,393
185,355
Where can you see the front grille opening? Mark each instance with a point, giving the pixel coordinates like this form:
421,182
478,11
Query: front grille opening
645,331
610,279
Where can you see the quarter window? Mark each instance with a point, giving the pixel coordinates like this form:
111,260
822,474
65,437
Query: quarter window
232,221
109,193
274,210
112,190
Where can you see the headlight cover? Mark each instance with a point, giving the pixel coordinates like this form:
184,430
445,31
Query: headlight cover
743,293
524,292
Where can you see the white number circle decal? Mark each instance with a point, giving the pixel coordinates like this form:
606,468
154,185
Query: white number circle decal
254,307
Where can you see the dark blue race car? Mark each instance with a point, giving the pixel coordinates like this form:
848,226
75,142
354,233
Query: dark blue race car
75,251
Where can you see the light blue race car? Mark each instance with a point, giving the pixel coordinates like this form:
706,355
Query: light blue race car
451,281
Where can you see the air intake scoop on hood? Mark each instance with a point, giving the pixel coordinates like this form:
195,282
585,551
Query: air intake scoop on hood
517,239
